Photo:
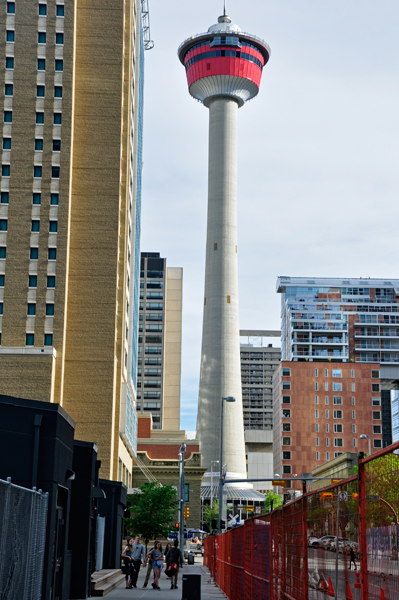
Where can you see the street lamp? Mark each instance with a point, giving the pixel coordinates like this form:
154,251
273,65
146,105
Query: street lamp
365,437
212,462
295,475
228,399
182,452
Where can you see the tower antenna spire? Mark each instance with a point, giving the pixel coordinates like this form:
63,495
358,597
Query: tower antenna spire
224,11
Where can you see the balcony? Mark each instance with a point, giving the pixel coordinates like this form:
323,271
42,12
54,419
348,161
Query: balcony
320,327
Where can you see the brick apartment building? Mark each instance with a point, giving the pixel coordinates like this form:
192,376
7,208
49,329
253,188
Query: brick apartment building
320,411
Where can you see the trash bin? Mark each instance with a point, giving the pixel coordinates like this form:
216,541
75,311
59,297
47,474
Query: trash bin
191,587
191,558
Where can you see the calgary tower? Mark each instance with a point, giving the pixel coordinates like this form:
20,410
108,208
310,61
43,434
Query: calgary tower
224,69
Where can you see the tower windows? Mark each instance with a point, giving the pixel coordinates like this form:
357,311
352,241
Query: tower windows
9,62
4,198
41,37
30,339
37,171
34,253
42,10
10,35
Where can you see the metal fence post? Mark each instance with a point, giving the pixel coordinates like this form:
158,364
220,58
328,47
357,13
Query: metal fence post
305,541
363,531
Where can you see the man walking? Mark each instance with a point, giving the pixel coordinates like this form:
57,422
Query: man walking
138,555
149,568
174,556
352,557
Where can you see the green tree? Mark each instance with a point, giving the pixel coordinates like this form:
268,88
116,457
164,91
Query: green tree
153,511
272,497
211,513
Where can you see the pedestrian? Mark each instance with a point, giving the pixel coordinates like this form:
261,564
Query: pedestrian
352,557
149,567
174,556
167,548
157,560
138,558
128,567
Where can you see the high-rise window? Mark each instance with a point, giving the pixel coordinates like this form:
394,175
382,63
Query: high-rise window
57,91
55,172
57,118
40,91
7,116
52,253
42,9
30,339
3,224
59,38
5,170
9,62
4,197
49,310
31,309
32,281
38,145
8,89
41,64
11,8
35,225
40,118
56,145
41,37
60,10
54,199
48,339
53,226
51,281
34,253
37,171
10,36
36,198
59,65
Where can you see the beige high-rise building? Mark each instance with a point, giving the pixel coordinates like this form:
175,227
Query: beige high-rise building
160,341
71,80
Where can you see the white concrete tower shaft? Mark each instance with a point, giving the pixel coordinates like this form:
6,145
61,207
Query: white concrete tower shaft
220,357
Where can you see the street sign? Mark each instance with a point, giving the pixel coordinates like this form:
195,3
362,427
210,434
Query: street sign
343,496
280,483
250,508
372,497
258,510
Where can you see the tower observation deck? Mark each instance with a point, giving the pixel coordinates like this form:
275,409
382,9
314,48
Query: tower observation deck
224,69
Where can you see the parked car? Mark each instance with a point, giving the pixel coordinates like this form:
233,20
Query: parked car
333,544
313,541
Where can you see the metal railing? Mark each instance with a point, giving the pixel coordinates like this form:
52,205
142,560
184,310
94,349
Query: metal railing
23,518
306,549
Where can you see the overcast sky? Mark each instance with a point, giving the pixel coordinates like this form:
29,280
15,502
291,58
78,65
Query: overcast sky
318,154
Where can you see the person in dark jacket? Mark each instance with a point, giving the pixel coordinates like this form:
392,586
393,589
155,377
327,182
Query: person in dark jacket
174,556
352,557
128,567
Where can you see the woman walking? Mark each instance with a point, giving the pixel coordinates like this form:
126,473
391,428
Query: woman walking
128,567
167,548
157,558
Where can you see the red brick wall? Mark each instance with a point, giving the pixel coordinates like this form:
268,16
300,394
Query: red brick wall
144,427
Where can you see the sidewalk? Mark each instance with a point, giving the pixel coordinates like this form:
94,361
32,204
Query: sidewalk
209,591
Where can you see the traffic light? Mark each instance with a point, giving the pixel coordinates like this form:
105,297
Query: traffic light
186,512
326,495
177,526
355,495
222,525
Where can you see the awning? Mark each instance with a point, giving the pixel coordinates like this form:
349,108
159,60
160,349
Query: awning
233,493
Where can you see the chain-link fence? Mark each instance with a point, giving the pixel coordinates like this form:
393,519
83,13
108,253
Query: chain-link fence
23,517
340,541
